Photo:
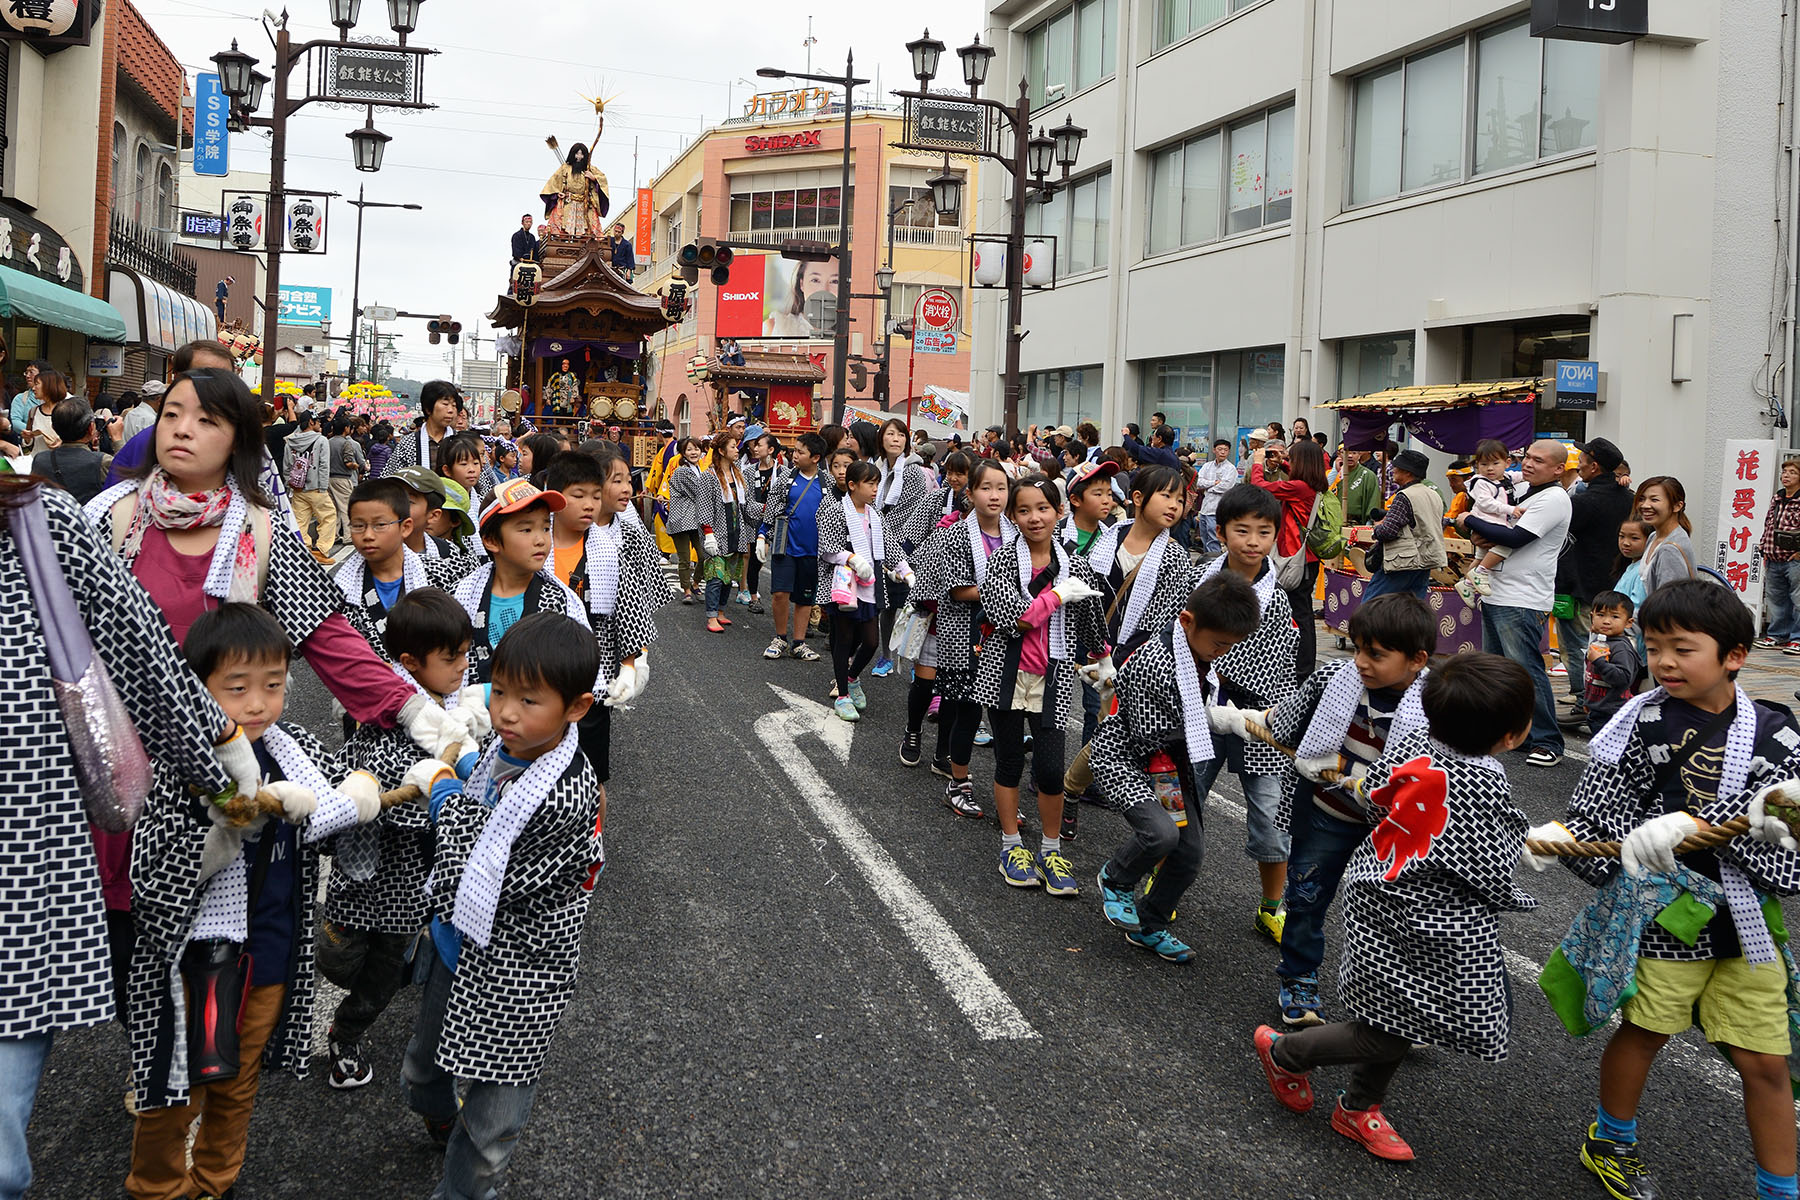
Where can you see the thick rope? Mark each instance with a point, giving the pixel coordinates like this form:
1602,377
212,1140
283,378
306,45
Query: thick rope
1709,839
244,809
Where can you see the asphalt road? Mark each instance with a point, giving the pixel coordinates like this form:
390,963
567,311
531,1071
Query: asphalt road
803,976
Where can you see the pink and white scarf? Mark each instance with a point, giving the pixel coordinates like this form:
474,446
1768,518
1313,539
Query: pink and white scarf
233,572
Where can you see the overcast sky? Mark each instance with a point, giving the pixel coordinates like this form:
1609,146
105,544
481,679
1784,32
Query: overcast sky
508,76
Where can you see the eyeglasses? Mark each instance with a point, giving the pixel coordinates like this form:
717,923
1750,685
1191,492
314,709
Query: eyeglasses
362,527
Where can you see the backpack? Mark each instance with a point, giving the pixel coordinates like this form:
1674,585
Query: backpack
299,472
1325,536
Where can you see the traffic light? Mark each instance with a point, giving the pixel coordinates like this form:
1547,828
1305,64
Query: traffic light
433,329
801,250
859,376
721,272
454,329
709,255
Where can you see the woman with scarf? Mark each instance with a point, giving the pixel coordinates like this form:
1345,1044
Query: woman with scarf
904,483
725,529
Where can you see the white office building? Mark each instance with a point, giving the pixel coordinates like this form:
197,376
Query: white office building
1284,202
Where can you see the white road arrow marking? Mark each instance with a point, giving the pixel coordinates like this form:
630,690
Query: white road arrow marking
987,1007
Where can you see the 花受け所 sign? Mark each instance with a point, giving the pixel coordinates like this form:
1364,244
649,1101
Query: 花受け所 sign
305,305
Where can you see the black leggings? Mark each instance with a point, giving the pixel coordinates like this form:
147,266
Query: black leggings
1009,726
752,571
963,717
852,646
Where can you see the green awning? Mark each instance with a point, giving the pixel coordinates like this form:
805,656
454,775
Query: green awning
25,295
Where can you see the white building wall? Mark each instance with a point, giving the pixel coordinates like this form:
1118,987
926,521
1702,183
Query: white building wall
1673,211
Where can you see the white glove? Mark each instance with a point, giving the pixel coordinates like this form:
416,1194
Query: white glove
365,790
1651,846
1312,769
1072,589
1227,720
471,707
860,567
1765,827
762,548
710,544
297,802
623,686
902,573
1100,673
431,728
1553,831
238,757
425,774
642,662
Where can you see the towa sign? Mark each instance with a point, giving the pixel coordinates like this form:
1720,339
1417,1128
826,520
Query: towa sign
784,141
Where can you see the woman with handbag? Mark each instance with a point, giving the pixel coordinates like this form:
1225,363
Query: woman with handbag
64,593
1299,494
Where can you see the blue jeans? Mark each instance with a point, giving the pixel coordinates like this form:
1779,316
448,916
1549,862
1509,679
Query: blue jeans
1518,634
1383,583
1264,839
487,1127
1322,846
718,595
1783,591
21,1066
1209,532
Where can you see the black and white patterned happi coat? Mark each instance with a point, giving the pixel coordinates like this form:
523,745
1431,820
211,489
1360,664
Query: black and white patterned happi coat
922,519
1610,801
369,616
406,451
1173,583
684,499
643,590
507,997
915,487
1422,898
1005,603
1148,719
834,542
942,563
1258,673
392,900
1290,719
545,593
55,971
710,507
166,891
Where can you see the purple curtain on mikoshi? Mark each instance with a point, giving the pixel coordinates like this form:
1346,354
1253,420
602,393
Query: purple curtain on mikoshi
1452,430
571,348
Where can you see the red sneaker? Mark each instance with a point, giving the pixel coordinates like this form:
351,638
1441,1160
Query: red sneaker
1369,1127
1292,1088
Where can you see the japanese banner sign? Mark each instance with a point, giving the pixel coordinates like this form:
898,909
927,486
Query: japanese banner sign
1752,468
212,141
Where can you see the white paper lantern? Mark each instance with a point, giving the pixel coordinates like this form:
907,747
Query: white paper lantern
51,18
1039,265
990,268
244,222
305,225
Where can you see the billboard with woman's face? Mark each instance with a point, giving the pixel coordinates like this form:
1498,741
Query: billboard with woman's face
783,300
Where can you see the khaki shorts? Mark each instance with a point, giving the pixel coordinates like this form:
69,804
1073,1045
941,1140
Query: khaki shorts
1734,1003
1028,693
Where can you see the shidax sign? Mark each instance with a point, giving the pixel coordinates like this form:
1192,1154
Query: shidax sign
784,141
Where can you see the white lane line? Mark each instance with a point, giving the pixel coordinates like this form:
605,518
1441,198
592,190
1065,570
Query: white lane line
1697,1058
988,1008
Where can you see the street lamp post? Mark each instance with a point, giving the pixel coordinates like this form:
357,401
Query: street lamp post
841,331
356,279
244,85
1028,162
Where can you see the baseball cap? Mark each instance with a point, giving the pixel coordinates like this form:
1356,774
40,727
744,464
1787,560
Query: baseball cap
456,500
422,480
516,495
1087,472
152,387
1067,431
1602,452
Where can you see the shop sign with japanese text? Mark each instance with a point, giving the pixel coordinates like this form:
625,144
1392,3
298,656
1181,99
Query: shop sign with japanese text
1747,481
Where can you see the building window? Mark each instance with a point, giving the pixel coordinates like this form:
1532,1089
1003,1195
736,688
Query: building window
1223,182
1080,217
143,183
165,197
907,186
672,237
1065,397
1374,364
1411,124
1178,18
796,201
1209,396
1072,50
118,163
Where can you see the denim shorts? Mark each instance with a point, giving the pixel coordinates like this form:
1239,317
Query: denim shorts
798,577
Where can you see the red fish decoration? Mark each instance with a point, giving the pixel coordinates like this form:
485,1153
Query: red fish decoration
1416,796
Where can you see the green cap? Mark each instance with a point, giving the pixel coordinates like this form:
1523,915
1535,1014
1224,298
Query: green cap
456,500
422,480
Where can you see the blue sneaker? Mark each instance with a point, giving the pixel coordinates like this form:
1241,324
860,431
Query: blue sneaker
845,707
1118,904
884,666
1300,1002
857,697
1164,945
1018,866
1057,874
985,736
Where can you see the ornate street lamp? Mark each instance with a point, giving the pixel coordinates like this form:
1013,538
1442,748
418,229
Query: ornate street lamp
1068,137
257,82
975,59
343,15
884,278
925,52
1038,152
234,71
403,17
946,190
368,144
